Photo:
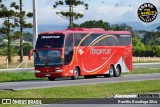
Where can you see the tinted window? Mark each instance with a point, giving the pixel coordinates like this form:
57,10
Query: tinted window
78,38
50,41
68,49
123,40
107,41
102,40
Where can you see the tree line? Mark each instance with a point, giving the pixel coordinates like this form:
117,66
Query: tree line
14,22
145,43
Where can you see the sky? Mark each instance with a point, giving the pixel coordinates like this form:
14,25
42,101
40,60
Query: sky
112,11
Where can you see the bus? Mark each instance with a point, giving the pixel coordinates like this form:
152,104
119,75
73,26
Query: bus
87,52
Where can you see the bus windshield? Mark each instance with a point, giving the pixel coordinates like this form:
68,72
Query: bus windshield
50,41
48,58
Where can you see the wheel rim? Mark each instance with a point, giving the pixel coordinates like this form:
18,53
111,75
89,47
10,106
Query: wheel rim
76,73
117,71
111,71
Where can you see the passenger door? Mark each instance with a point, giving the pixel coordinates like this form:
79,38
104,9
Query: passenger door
68,51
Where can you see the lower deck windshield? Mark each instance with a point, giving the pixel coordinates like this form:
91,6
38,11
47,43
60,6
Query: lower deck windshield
48,58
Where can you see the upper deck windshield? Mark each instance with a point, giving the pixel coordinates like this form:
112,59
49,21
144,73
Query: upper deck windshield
50,41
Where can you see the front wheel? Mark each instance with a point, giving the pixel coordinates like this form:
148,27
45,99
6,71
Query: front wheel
75,74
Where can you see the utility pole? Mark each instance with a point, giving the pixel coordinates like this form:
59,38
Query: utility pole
21,30
35,26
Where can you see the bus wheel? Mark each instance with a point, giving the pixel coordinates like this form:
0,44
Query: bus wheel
111,71
51,78
75,74
117,71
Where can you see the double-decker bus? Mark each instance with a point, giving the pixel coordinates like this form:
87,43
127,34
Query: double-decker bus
87,52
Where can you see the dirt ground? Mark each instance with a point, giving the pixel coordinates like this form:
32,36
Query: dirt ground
3,59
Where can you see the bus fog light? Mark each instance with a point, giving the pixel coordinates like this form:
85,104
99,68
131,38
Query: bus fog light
37,71
59,70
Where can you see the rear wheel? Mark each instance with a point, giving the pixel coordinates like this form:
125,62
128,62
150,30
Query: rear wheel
117,71
75,74
51,78
111,72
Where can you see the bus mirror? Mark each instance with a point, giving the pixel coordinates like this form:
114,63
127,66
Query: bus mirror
30,54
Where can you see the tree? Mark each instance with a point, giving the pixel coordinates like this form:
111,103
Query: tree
8,27
138,47
21,17
70,14
95,24
120,27
28,37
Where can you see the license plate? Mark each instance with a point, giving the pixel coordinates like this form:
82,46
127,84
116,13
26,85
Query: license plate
47,75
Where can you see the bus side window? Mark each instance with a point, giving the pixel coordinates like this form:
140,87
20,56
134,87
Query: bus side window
68,49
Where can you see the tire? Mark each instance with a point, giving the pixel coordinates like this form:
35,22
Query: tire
75,74
51,78
111,71
117,71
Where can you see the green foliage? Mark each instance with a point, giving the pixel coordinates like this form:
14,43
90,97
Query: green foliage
12,50
20,20
135,34
95,24
28,37
151,38
87,91
27,47
138,47
121,27
8,28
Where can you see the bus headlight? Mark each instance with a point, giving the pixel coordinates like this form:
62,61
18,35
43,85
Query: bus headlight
59,70
37,71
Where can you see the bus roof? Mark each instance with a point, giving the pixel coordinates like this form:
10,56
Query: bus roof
86,30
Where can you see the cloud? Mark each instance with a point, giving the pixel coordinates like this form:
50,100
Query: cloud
47,15
109,13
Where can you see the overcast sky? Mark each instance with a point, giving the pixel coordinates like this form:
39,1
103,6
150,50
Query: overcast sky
112,11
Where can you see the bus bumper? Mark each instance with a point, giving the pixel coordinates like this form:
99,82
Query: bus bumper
43,74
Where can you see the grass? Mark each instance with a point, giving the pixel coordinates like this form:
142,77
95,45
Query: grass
26,76
86,91
143,71
17,76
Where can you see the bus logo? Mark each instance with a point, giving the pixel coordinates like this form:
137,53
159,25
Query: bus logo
80,51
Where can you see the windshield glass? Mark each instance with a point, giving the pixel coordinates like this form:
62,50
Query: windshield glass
48,58
50,41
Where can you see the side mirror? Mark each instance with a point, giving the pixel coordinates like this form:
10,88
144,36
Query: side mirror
30,54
